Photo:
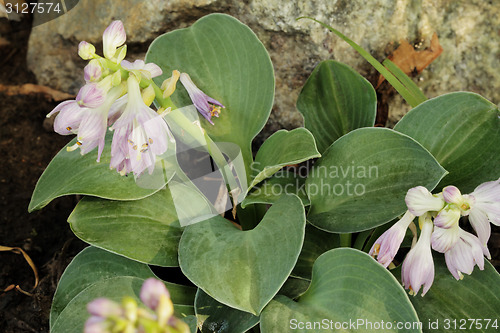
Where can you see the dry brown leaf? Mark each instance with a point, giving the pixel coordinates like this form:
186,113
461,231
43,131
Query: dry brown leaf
410,60
18,250
28,88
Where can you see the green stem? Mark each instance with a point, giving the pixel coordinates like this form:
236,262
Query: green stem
345,240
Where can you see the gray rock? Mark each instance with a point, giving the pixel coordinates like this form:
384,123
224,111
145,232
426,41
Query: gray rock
468,31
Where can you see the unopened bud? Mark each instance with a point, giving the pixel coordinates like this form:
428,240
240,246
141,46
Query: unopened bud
148,95
168,86
86,50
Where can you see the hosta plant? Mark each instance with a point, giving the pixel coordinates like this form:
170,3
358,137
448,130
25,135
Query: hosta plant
335,226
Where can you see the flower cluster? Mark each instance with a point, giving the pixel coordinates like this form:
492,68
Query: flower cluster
118,95
439,216
108,316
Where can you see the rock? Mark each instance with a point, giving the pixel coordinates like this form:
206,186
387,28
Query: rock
468,30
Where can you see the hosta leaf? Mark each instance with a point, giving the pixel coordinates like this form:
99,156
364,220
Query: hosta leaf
281,183
361,180
226,60
281,149
146,230
71,173
244,269
347,285
462,131
334,101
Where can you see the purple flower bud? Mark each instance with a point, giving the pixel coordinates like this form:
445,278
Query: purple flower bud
419,201
91,96
113,37
206,105
151,291
93,71
451,194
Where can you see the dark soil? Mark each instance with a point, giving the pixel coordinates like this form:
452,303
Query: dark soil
26,148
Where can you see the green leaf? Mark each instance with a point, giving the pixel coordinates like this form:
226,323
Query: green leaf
226,60
281,183
403,90
71,173
316,243
462,131
281,149
217,317
405,80
362,179
146,230
475,297
94,265
334,101
244,269
347,286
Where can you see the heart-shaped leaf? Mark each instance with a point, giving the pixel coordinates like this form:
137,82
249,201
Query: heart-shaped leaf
361,180
280,149
281,183
93,266
334,101
226,60
146,230
468,305
244,269
71,173
348,291
216,317
462,131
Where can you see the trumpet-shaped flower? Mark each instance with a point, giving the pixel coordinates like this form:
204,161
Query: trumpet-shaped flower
387,245
206,105
140,134
419,201
113,37
465,254
418,266
71,113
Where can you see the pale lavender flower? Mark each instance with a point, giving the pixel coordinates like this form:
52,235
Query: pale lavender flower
148,70
448,217
419,201
465,254
96,325
387,245
485,208
72,112
104,307
444,239
206,105
113,37
151,292
93,71
140,134
418,266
